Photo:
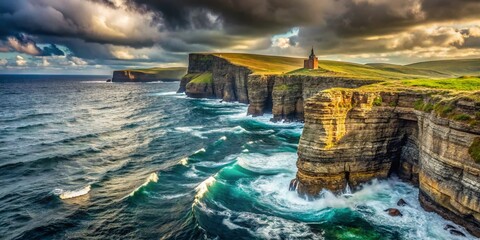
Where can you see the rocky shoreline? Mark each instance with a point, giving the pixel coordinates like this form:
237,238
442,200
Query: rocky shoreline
353,135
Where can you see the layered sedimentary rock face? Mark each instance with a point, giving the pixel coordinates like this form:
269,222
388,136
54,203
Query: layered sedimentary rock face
351,137
227,81
282,95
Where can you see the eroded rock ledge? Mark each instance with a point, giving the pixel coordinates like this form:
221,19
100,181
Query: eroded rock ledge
353,136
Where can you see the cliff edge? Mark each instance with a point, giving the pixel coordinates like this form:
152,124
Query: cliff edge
428,137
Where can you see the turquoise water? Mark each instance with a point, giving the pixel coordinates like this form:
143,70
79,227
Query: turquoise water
81,158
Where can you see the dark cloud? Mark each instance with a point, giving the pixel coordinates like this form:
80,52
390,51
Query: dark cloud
76,19
95,29
52,50
22,43
246,17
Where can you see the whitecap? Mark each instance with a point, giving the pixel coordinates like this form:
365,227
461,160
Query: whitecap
276,163
184,161
201,150
66,194
202,188
173,196
165,94
193,130
153,177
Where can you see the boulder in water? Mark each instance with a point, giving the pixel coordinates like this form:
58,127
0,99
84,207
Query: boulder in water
448,226
393,212
109,80
401,202
455,232
293,185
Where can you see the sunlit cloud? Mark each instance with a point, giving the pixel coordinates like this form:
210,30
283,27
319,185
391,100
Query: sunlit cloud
114,34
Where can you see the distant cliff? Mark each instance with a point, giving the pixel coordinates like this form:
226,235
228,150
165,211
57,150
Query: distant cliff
149,74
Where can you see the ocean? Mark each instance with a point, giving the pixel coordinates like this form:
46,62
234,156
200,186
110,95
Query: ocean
84,159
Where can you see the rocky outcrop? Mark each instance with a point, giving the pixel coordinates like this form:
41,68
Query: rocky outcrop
229,81
353,136
284,95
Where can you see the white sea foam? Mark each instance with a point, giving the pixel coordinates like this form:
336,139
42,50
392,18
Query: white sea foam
166,94
202,188
184,161
370,201
260,163
66,194
201,150
193,130
153,177
173,196
197,130
260,225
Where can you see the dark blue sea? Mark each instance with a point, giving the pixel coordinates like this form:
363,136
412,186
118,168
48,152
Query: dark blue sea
84,159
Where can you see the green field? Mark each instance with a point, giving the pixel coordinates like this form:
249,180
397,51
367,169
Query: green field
265,64
457,67
201,78
460,84
361,71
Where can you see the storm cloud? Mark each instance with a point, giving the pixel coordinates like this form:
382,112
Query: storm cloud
149,31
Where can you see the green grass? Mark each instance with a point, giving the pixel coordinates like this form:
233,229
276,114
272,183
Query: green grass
266,64
360,71
377,101
462,117
263,64
461,84
202,78
166,73
409,70
474,150
456,67
423,106
287,87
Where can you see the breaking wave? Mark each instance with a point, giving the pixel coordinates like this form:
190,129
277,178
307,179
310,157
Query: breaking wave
152,178
67,194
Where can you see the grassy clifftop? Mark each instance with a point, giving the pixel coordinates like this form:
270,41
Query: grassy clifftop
161,73
265,64
453,67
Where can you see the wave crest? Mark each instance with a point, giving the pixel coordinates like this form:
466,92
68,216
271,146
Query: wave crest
66,194
153,177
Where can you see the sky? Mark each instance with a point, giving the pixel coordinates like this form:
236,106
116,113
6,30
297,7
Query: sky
98,36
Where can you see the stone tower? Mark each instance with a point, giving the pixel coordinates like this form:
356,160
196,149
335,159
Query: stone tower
311,62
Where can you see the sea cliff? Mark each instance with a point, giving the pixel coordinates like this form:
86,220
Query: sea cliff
360,128
211,76
353,136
